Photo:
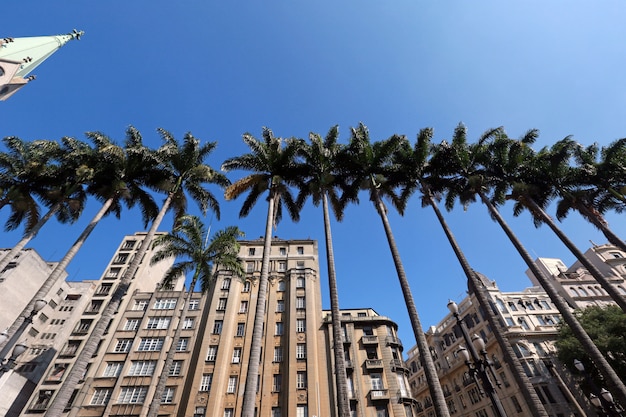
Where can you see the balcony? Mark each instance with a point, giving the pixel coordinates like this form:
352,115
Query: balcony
379,394
405,397
369,339
346,339
374,364
393,341
399,365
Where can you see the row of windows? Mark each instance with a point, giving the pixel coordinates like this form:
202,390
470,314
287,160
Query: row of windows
281,251
157,323
281,286
149,344
139,368
164,304
129,395
278,353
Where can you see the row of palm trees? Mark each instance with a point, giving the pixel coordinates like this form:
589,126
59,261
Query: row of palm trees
495,168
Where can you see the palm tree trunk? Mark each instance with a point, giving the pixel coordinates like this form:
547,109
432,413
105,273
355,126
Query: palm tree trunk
439,401
60,268
615,385
599,222
153,411
475,286
610,289
343,405
28,236
249,396
62,398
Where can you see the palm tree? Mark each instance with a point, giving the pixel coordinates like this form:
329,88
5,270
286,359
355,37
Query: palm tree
368,167
34,171
189,241
414,164
114,179
462,168
274,168
322,180
175,169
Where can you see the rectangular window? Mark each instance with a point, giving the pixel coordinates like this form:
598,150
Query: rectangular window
278,331
236,355
276,412
113,369
140,305
101,396
182,344
282,266
376,381
300,325
300,282
232,384
132,395
226,284
302,411
246,287
158,323
221,304
300,303
301,380
120,259
188,323
205,382
300,250
249,267
194,304
211,354
276,382
56,374
240,329
168,395
142,368
113,273
165,304
129,244
122,345
230,412
301,351
243,307
217,326
280,306
176,368
278,354
300,265
251,251
150,344
282,251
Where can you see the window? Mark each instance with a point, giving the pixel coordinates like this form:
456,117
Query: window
509,321
282,266
221,304
83,326
122,345
132,395
158,323
249,267
230,412
278,331
241,327
512,306
200,412
205,382
280,306
217,326
165,304
300,282
211,354
113,273
129,244
121,258
140,305
275,412
282,251
194,304
131,324
188,323
302,411
226,284
280,286
101,396
522,322
300,265
182,344
251,251
381,411
278,354
300,351
176,368
301,380
236,355
142,368
168,395
232,384
300,250
33,332
150,344
300,303
300,325
616,255
544,304
113,369
276,382
243,306
246,287
56,374
376,381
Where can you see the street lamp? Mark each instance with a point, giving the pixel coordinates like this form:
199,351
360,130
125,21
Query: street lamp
603,401
480,364
18,349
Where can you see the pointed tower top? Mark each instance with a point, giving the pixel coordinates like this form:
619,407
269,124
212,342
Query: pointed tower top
32,51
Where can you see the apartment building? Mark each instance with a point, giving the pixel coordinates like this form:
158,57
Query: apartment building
376,372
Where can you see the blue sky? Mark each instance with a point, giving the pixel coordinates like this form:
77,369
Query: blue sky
219,69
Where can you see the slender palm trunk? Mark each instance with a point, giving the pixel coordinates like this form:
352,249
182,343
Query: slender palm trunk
28,236
598,221
153,411
62,398
434,386
475,286
249,396
615,385
60,268
343,405
610,289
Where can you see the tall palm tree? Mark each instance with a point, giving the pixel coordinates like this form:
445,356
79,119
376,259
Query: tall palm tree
319,160
463,168
175,169
414,164
114,180
189,241
368,166
273,166
32,171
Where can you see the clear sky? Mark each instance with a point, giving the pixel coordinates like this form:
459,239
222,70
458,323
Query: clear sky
219,69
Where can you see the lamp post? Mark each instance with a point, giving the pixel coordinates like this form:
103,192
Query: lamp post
602,399
480,364
18,349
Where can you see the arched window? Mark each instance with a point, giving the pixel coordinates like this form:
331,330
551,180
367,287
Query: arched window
583,292
281,285
521,350
573,291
